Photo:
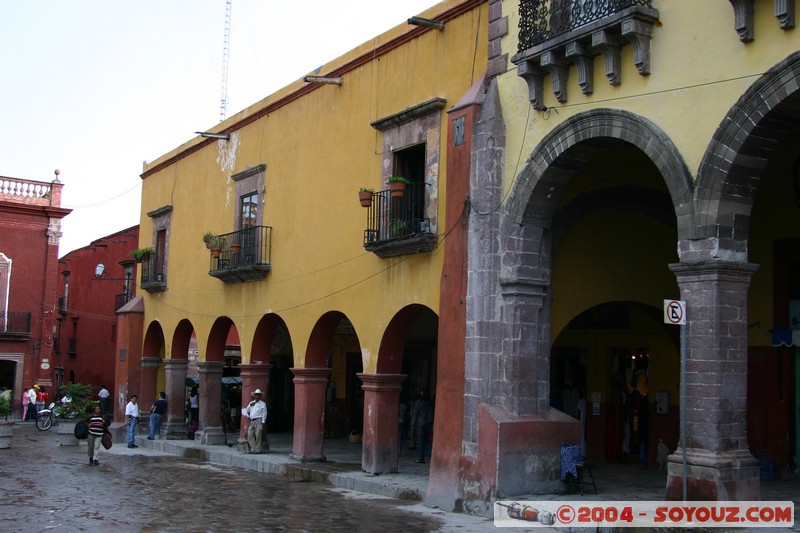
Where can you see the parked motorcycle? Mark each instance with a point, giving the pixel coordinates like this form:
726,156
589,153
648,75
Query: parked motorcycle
47,418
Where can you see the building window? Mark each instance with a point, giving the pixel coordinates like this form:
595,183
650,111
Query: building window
154,271
248,210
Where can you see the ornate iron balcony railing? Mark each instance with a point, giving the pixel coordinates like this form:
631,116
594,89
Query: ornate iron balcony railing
542,20
245,255
152,271
398,225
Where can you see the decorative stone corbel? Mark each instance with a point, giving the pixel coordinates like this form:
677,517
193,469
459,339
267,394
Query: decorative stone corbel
608,45
744,19
534,76
578,54
784,12
639,34
556,65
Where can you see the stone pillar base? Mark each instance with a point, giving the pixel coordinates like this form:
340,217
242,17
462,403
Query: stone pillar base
516,455
307,458
714,476
175,431
211,436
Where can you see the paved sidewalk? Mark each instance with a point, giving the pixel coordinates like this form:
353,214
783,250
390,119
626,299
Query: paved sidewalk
615,482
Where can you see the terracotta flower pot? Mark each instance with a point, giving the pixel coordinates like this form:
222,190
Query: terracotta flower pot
365,198
397,188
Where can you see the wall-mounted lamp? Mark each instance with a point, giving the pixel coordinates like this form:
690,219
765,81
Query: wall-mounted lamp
218,136
419,21
99,269
323,79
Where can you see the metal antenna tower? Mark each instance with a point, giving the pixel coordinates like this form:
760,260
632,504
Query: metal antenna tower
223,101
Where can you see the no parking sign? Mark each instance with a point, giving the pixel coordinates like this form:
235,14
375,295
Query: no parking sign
675,312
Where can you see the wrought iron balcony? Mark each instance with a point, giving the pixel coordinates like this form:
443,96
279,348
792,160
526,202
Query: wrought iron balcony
245,255
153,277
62,305
121,299
15,325
542,20
556,33
397,225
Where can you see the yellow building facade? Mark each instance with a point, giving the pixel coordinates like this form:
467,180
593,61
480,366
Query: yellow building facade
311,294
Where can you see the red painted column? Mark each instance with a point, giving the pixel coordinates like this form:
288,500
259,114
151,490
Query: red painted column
175,373
210,396
147,389
381,412
309,413
254,376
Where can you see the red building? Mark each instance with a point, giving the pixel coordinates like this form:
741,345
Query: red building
94,282
30,228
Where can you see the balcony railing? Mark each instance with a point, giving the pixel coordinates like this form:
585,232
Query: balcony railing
15,324
121,299
153,277
62,305
542,20
245,255
397,225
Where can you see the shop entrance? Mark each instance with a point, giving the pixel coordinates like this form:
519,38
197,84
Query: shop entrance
616,368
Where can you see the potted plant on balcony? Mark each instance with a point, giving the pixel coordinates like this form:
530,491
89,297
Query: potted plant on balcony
365,196
397,226
6,427
213,243
142,254
397,185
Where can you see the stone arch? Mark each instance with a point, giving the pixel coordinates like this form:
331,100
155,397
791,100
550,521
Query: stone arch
739,151
319,343
268,331
215,349
535,194
153,340
390,354
181,339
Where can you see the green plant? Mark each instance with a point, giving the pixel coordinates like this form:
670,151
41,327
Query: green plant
80,401
397,179
211,240
5,406
396,227
366,189
139,253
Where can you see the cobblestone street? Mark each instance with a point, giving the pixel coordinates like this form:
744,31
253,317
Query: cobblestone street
50,487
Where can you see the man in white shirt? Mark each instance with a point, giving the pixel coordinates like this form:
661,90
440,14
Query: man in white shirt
103,395
132,416
32,411
256,411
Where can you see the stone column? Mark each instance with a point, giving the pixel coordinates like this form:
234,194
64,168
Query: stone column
254,376
720,466
210,389
381,411
175,423
147,390
309,413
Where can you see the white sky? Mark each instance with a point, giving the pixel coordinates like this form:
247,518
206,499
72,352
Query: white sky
94,88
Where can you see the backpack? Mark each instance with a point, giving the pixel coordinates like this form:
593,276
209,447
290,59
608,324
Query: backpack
81,430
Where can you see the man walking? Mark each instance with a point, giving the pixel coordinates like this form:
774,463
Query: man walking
132,415
156,412
97,425
256,411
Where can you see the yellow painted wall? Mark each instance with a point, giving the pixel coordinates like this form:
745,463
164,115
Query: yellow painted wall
318,150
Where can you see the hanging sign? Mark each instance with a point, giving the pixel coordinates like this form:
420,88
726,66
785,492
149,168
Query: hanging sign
675,312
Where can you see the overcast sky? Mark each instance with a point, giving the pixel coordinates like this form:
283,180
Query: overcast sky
94,88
